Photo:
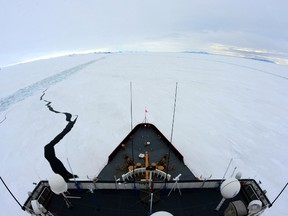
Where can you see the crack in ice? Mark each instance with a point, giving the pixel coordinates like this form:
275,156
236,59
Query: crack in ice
49,151
23,93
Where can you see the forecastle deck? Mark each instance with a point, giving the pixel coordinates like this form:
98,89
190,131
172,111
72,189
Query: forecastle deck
110,198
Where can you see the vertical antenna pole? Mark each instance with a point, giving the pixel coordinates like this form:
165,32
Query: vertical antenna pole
134,180
11,193
76,183
233,171
174,113
227,169
131,106
279,194
131,116
175,99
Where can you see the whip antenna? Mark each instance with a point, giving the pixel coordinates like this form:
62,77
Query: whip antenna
171,132
174,113
279,193
132,137
11,193
131,106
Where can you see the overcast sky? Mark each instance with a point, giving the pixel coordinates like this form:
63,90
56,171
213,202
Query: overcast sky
34,28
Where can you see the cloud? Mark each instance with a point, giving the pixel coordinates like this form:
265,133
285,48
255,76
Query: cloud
41,27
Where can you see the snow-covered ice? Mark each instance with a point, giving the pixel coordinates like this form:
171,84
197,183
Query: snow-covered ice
226,108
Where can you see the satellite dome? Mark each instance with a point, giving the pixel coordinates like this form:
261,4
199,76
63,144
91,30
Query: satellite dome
36,207
57,184
254,206
161,213
238,175
230,188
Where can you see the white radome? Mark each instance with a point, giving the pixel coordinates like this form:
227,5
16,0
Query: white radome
230,188
57,184
161,213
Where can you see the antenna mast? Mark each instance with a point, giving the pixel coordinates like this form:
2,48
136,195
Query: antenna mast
171,132
11,193
132,137
279,194
174,113
131,105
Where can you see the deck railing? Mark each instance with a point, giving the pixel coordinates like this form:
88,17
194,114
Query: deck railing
248,186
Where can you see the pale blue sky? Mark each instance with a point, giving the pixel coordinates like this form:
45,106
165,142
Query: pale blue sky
34,28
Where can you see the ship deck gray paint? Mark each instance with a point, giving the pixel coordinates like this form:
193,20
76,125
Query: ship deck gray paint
157,149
